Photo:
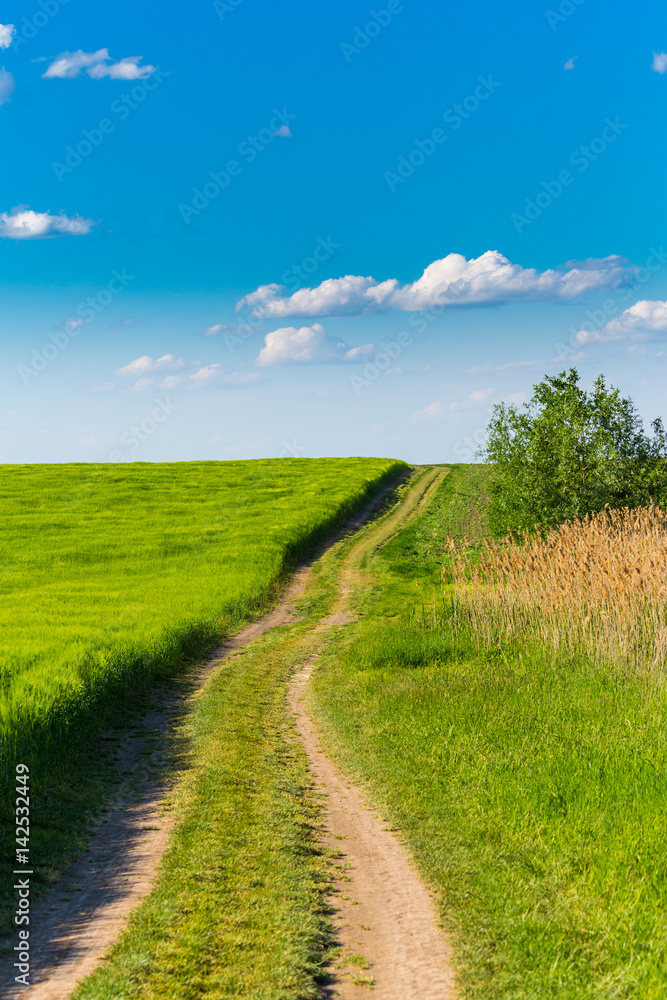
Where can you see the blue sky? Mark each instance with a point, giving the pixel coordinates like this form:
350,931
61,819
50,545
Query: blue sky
180,180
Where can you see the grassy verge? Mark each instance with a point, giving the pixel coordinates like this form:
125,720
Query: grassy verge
531,790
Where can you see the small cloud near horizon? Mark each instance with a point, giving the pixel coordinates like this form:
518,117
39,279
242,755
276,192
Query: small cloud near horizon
515,398
644,318
308,345
215,374
437,409
146,364
429,412
480,395
205,375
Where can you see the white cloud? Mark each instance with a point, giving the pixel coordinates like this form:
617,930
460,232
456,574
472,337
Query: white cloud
7,32
146,364
69,64
350,295
309,345
438,409
214,374
206,374
124,69
452,281
284,131
570,63
242,330
23,224
7,86
428,413
170,382
97,65
659,63
479,395
640,320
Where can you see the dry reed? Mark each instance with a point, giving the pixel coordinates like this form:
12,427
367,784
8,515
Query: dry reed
595,586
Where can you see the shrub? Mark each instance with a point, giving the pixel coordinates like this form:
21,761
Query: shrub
568,453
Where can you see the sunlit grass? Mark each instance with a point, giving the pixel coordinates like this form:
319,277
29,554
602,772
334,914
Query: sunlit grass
111,579
111,573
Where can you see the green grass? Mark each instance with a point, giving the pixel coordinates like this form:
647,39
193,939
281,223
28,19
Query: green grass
531,791
112,579
111,573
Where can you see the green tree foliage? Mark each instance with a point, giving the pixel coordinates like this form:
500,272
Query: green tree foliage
569,452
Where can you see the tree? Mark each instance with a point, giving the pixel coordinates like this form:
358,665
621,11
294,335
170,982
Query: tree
569,452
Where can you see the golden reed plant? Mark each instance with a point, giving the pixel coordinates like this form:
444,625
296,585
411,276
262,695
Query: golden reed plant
595,586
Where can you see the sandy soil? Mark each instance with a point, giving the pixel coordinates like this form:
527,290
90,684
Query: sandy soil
385,919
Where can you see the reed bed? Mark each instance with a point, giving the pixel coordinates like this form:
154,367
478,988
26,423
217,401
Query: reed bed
595,586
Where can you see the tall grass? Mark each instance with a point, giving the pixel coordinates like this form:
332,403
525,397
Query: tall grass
595,587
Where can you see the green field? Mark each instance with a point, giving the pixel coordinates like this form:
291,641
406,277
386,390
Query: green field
113,576
109,573
530,787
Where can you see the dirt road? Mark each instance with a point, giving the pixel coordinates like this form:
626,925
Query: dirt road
386,922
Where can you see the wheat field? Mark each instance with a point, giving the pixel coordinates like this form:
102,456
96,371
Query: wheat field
112,575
